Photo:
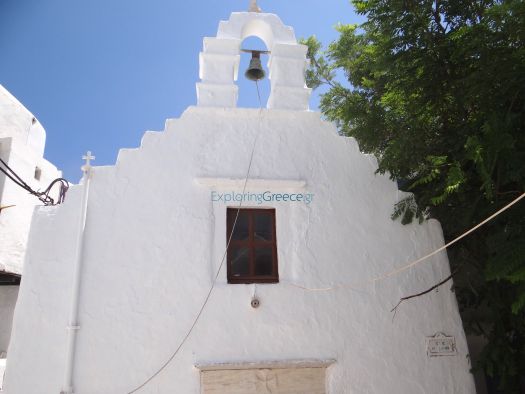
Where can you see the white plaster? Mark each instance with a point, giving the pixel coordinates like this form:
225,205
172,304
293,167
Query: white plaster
268,27
222,46
292,51
252,184
285,71
218,68
2,371
18,123
212,95
22,140
154,240
8,295
291,98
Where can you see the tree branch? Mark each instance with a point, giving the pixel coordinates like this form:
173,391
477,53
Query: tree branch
437,18
509,192
394,309
323,78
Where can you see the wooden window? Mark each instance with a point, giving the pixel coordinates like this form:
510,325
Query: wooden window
252,252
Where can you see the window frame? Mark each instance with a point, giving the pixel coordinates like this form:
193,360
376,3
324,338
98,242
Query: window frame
251,244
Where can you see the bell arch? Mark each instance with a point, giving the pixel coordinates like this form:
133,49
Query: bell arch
260,29
220,57
253,95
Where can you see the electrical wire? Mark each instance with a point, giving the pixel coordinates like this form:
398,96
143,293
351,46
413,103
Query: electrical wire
361,285
43,196
208,296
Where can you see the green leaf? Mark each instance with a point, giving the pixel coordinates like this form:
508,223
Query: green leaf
435,91
519,304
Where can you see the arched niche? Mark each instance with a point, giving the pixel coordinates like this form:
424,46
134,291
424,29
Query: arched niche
219,62
250,92
260,29
268,27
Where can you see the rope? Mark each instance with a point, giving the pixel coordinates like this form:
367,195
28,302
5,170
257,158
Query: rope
416,262
207,298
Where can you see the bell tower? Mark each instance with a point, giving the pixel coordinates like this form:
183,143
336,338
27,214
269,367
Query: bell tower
220,57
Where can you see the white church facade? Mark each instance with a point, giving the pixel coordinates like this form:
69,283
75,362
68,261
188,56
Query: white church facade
238,251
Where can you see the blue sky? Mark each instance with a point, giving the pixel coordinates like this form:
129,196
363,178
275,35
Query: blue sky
98,74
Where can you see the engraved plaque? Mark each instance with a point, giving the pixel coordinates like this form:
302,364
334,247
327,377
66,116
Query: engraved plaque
441,345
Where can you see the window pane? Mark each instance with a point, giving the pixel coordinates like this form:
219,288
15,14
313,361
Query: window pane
263,230
240,232
263,261
239,261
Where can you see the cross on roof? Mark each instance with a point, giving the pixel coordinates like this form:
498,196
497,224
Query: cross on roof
87,157
254,7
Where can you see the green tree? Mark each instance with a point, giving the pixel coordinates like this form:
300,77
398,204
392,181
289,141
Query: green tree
436,90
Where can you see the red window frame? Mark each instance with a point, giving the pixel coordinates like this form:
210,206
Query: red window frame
251,244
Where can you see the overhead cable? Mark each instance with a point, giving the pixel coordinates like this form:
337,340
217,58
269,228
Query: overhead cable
43,196
405,267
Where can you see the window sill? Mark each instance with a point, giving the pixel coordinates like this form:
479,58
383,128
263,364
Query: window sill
306,363
249,281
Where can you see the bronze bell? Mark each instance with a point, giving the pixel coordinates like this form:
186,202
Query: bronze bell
255,71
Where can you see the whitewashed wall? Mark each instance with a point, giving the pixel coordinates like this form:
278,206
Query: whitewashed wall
8,295
22,141
154,241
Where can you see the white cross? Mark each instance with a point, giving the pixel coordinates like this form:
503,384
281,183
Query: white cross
87,157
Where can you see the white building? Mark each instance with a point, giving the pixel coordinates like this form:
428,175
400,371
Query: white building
313,232
22,141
